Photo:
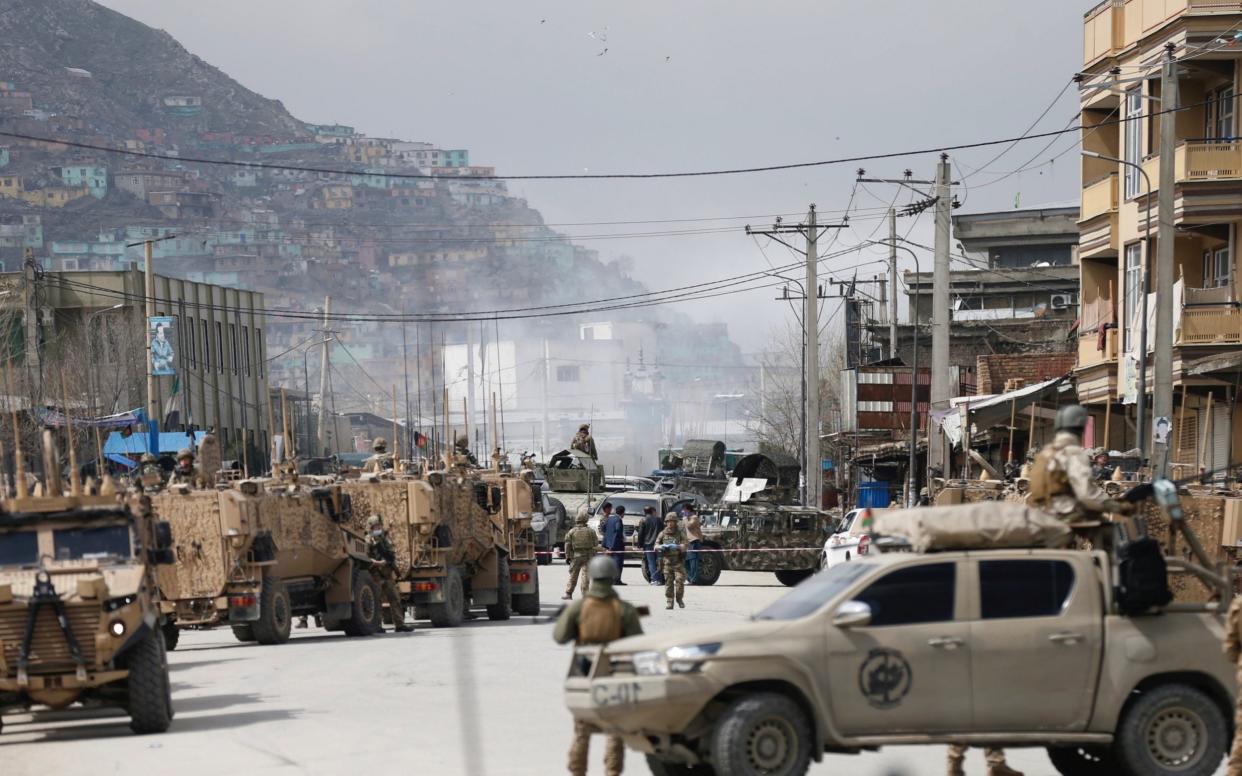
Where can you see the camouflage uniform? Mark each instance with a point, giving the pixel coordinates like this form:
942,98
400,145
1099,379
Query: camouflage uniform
185,474
671,544
581,544
462,449
995,759
384,570
1061,480
598,617
381,460
584,442
1233,651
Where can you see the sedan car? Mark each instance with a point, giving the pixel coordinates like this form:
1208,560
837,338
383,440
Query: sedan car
852,540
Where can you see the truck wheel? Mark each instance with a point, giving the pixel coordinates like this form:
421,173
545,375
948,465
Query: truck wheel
527,604
275,616
243,632
150,696
762,734
1172,729
710,566
1082,760
659,767
452,610
365,609
171,634
792,578
503,608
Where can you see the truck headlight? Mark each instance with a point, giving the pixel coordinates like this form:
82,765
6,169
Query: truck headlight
684,660
650,664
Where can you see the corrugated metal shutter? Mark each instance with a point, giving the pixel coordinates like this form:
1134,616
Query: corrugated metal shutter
1222,428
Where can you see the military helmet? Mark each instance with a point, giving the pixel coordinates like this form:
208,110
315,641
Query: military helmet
374,521
1071,417
585,427
149,458
601,568
379,445
185,452
581,517
463,440
671,517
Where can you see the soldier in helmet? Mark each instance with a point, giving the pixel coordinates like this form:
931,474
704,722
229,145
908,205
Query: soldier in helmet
384,569
380,460
584,442
671,544
1060,476
581,544
186,472
598,617
461,448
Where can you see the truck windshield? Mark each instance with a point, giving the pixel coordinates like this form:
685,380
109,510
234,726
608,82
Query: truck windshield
633,506
93,543
19,548
815,592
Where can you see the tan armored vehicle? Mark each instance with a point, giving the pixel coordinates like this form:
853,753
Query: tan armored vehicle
79,621
1020,646
261,552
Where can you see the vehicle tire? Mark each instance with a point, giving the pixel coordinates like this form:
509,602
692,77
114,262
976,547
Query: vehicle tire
365,610
421,613
659,767
544,557
171,634
1171,729
452,610
275,613
1082,760
766,733
791,578
150,695
527,604
243,632
503,608
710,566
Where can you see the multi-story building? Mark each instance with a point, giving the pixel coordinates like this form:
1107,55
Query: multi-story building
1125,44
93,177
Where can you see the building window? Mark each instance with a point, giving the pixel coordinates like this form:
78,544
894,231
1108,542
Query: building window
1134,269
567,374
246,349
219,347
233,346
206,345
189,339
1134,140
1218,114
1216,268
258,350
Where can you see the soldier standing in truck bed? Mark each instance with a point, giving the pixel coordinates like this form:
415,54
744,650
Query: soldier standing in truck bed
1061,477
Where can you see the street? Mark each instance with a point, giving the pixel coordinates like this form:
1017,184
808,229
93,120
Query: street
481,699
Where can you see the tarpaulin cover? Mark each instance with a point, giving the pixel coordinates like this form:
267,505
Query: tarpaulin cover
170,442
981,525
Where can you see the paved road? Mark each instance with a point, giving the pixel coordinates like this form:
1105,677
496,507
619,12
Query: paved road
481,699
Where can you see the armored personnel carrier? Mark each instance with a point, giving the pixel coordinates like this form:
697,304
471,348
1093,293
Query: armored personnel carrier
257,554
79,619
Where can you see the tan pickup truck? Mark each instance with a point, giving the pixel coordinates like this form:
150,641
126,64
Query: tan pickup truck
1008,647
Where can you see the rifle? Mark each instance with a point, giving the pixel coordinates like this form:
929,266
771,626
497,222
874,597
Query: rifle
1143,490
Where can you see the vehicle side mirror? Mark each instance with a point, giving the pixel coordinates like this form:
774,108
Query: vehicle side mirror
163,535
852,614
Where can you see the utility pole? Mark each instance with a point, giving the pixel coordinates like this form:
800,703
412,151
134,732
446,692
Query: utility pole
812,293
323,382
544,373
467,422
1162,400
148,290
892,283
941,315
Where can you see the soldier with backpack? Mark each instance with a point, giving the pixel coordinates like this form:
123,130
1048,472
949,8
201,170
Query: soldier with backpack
1061,480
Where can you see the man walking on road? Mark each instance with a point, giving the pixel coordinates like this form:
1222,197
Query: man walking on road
581,544
648,530
597,618
671,544
694,533
614,539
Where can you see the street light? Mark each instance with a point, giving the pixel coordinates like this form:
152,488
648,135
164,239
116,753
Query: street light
1142,370
306,384
725,397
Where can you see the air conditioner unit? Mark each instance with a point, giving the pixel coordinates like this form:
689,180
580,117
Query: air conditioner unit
1063,301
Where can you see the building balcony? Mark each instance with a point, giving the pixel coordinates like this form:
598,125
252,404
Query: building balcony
1089,353
1114,25
1099,198
1215,324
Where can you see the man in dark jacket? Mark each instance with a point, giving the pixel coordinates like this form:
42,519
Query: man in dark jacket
614,538
648,530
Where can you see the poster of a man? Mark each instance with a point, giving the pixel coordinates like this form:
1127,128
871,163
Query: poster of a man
163,359
1160,434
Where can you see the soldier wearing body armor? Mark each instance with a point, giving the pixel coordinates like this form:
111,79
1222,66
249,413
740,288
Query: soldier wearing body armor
598,617
380,460
1061,480
584,442
186,472
461,448
671,544
581,544
384,569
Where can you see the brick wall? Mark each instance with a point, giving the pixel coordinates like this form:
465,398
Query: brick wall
993,372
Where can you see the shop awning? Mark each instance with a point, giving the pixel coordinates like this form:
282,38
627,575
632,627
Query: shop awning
993,409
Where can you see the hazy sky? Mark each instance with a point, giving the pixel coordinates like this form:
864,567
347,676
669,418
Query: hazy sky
528,87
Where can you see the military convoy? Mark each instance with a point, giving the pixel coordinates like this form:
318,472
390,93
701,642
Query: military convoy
79,617
257,554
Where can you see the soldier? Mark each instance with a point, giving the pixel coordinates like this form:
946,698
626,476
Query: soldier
381,460
149,465
1233,651
598,617
581,544
462,448
584,442
671,544
995,759
1060,476
384,569
209,458
185,473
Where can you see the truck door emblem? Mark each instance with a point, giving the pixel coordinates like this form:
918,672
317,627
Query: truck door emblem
884,678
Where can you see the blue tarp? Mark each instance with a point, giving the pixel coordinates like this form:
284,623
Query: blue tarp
873,494
137,444
122,460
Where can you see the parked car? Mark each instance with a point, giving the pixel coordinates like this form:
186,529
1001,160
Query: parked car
549,524
852,540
